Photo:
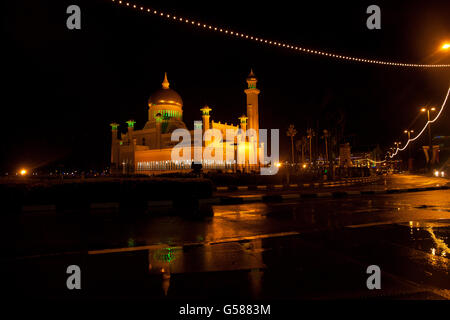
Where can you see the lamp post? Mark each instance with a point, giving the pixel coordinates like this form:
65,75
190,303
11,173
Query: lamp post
427,110
310,134
325,136
410,160
397,146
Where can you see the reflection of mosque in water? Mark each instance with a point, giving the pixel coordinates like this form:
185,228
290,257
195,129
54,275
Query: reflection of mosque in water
214,257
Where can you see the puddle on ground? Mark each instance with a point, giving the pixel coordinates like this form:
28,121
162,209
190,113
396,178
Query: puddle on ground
432,237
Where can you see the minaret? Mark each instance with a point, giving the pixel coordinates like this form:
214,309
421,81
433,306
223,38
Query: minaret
252,104
130,166
205,117
114,148
243,121
130,130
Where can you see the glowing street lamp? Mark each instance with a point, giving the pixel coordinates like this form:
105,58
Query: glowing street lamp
23,172
409,133
445,46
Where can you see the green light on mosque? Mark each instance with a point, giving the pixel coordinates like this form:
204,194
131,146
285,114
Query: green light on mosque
167,114
131,123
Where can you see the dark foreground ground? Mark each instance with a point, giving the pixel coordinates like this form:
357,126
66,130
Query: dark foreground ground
304,249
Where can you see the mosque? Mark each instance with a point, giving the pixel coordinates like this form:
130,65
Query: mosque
150,150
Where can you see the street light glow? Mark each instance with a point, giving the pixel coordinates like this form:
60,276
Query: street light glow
446,46
23,172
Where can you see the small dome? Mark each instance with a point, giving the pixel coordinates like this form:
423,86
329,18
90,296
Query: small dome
165,96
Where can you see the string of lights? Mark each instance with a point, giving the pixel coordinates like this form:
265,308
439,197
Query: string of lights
273,43
423,129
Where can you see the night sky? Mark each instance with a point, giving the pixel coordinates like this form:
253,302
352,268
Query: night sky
63,87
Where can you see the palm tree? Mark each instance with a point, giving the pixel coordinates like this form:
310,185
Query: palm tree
310,134
291,133
304,142
300,147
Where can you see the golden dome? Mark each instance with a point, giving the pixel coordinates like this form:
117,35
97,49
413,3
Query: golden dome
165,96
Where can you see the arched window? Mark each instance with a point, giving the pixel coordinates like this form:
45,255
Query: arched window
143,141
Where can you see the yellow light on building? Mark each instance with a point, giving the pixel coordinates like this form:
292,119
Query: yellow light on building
23,172
446,46
277,164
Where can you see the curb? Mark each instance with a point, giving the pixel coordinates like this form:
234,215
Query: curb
326,184
227,200
335,194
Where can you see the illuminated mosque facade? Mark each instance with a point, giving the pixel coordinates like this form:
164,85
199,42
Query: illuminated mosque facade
149,150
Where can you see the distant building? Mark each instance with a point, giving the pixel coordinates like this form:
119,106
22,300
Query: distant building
149,150
366,156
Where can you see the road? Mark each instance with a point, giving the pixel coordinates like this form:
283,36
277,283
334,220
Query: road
303,249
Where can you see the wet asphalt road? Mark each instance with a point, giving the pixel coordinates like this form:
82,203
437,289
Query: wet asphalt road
307,249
